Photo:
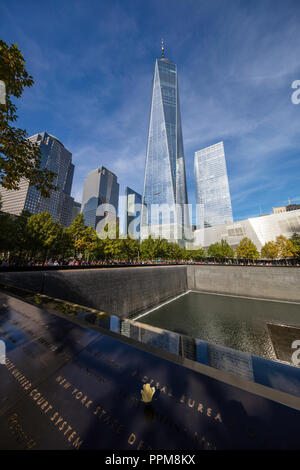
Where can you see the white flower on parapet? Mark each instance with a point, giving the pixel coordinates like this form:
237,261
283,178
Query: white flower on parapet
147,393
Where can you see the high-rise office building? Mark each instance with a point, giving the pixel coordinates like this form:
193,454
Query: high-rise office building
165,180
212,185
76,209
56,158
132,218
288,208
101,188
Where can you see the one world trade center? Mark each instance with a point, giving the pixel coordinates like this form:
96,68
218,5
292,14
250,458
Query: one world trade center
165,180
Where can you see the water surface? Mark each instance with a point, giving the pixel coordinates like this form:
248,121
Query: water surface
236,322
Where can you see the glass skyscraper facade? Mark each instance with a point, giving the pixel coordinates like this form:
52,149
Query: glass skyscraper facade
165,180
76,209
212,186
100,187
132,219
56,158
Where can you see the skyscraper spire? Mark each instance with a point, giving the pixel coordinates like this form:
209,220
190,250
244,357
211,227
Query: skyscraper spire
162,49
165,180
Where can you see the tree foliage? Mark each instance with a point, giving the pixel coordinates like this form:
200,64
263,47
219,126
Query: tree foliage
129,248
220,250
6,232
38,237
147,247
270,250
83,239
295,239
282,248
246,249
42,233
286,248
194,254
19,158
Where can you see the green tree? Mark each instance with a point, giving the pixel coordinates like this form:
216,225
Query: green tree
220,250
247,249
286,248
195,254
98,250
43,234
147,248
295,239
6,232
175,252
161,249
113,248
21,241
129,248
270,250
19,158
83,238
63,247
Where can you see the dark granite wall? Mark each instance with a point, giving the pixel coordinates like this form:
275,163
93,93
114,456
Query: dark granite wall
125,291
117,291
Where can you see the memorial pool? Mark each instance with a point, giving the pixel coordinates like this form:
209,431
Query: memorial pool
236,322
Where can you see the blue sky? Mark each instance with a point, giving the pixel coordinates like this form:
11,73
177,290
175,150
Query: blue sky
93,62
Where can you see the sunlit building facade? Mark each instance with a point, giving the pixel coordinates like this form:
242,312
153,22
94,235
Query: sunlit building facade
212,188
100,196
165,179
259,230
56,158
76,209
